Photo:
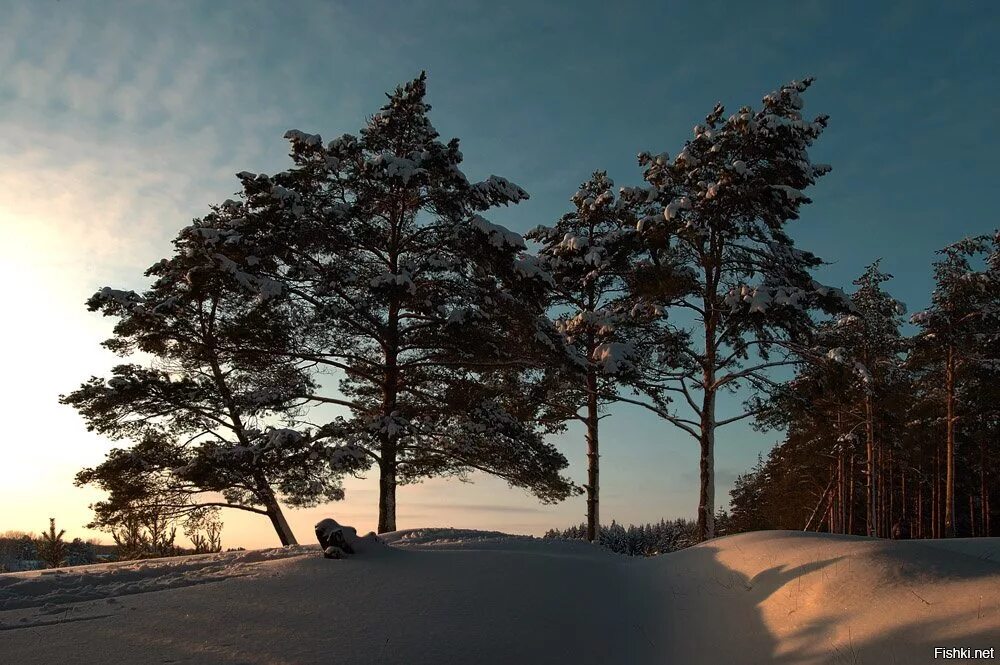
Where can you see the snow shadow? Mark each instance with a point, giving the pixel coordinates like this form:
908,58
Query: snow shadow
871,602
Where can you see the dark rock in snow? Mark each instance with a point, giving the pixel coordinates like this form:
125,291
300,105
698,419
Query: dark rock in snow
335,539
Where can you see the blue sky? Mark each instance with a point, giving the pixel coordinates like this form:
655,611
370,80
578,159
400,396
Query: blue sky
122,121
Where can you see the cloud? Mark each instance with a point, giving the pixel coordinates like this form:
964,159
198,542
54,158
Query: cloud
477,507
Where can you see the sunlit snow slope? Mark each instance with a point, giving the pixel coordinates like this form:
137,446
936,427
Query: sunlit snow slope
449,596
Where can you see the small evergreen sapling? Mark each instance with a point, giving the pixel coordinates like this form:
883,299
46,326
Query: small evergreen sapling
52,549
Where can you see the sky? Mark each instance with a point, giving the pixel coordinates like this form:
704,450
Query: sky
120,122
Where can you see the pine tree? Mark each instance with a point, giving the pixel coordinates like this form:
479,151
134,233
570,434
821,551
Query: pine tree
584,256
202,412
869,344
391,278
846,395
958,332
204,530
79,553
715,251
52,549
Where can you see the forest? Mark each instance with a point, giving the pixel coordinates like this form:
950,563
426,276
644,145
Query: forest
367,282
896,434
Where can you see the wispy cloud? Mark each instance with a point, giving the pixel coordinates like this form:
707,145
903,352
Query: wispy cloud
443,506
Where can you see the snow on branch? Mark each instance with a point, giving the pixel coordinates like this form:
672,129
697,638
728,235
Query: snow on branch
499,236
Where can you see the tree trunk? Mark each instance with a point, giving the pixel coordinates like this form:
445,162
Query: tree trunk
850,496
593,460
387,496
984,518
706,495
920,507
823,503
949,501
388,452
902,496
277,517
989,529
937,492
892,503
711,317
972,516
871,514
841,521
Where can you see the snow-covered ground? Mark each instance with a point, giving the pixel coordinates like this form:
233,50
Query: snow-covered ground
455,596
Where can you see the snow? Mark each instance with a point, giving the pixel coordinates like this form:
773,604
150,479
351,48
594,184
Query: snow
837,355
495,190
460,596
675,206
126,299
790,193
296,136
499,236
613,357
573,242
396,167
530,267
392,279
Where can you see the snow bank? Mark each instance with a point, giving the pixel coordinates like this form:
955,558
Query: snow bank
460,596
799,597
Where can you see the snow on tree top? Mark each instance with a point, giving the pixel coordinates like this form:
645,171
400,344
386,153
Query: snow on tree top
395,167
675,206
282,437
529,266
282,193
499,236
613,357
123,298
496,190
295,136
790,193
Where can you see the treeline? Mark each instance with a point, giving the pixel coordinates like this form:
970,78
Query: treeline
366,279
26,551
136,537
891,434
662,537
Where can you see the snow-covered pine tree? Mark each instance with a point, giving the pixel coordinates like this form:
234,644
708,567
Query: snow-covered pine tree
958,333
716,252
394,279
981,429
869,340
202,412
586,255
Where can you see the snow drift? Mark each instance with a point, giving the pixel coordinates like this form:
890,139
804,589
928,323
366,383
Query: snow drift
456,596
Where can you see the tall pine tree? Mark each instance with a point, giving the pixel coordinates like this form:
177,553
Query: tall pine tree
716,253
204,416
586,255
393,280
958,334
